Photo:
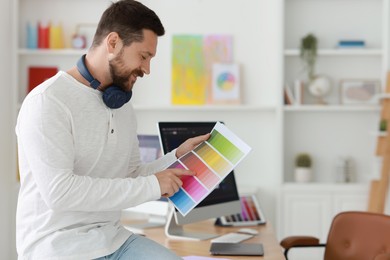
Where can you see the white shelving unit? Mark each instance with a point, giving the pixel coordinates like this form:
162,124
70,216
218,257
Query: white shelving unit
330,131
307,126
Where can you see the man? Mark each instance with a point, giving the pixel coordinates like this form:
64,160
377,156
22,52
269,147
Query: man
78,149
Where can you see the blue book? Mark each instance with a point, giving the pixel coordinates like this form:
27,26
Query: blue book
351,43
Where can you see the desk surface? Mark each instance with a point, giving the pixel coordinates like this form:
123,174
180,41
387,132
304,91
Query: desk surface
266,236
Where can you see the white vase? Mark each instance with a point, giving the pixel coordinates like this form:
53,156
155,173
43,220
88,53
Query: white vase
302,174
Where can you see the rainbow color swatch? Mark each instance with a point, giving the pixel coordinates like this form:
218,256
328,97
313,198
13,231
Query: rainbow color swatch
212,161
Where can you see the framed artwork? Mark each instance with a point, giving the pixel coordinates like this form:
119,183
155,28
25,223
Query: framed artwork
358,91
188,74
192,59
225,87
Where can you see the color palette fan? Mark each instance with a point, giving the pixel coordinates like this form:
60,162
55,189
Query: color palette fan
212,161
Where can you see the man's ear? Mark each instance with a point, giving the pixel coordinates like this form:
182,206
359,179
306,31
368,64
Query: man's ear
114,44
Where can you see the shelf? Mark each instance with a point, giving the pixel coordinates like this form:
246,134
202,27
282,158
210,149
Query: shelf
205,108
383,96
379,133
331,108
332,186
339,52
52,52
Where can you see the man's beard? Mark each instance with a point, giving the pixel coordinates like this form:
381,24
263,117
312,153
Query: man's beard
121,78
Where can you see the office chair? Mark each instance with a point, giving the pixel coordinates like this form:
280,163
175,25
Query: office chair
353,235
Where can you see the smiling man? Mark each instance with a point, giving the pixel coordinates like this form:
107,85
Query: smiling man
79,159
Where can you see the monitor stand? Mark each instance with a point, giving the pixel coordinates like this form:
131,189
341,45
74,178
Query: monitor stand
173,230
152,222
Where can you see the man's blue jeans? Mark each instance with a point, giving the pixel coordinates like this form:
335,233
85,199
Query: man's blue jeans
141,248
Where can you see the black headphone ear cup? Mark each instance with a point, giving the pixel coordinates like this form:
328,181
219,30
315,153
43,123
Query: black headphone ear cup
115,97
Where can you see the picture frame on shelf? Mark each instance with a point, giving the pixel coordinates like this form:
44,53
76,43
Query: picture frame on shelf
83,36
359,91
225,88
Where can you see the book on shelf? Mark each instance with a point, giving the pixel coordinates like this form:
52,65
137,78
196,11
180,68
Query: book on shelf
43,35
298,91
288,95
351,44
38,74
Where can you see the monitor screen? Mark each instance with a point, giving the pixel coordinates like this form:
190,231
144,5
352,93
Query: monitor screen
149,148
225,197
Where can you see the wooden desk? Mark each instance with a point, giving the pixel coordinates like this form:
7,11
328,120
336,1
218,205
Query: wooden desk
266,236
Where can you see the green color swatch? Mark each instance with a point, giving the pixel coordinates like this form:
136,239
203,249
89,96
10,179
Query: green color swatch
225,147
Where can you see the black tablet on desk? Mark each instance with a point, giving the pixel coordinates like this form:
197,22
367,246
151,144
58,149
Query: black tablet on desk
254,249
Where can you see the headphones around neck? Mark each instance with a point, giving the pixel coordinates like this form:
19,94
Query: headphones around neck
113,96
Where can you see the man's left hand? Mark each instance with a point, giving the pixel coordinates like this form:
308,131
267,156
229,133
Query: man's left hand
190,144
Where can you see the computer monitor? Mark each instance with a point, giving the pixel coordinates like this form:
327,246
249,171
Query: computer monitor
224,200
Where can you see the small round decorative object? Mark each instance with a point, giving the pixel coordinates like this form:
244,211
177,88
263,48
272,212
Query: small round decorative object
226,81
79,41
320,87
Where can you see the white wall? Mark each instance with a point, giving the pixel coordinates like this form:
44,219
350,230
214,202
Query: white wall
7,176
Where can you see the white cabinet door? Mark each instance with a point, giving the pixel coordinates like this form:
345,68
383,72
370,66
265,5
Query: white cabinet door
306,214
310,209
357,200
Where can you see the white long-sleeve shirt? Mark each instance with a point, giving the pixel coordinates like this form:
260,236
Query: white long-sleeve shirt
79,167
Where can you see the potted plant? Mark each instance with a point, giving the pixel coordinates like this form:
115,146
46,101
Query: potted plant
308,54
303,172
318,85
383,125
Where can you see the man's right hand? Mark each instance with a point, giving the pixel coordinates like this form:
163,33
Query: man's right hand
170,180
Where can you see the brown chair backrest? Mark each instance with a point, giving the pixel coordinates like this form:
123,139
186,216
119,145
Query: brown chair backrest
358,236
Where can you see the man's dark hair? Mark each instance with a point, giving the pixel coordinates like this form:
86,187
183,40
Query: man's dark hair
127,18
